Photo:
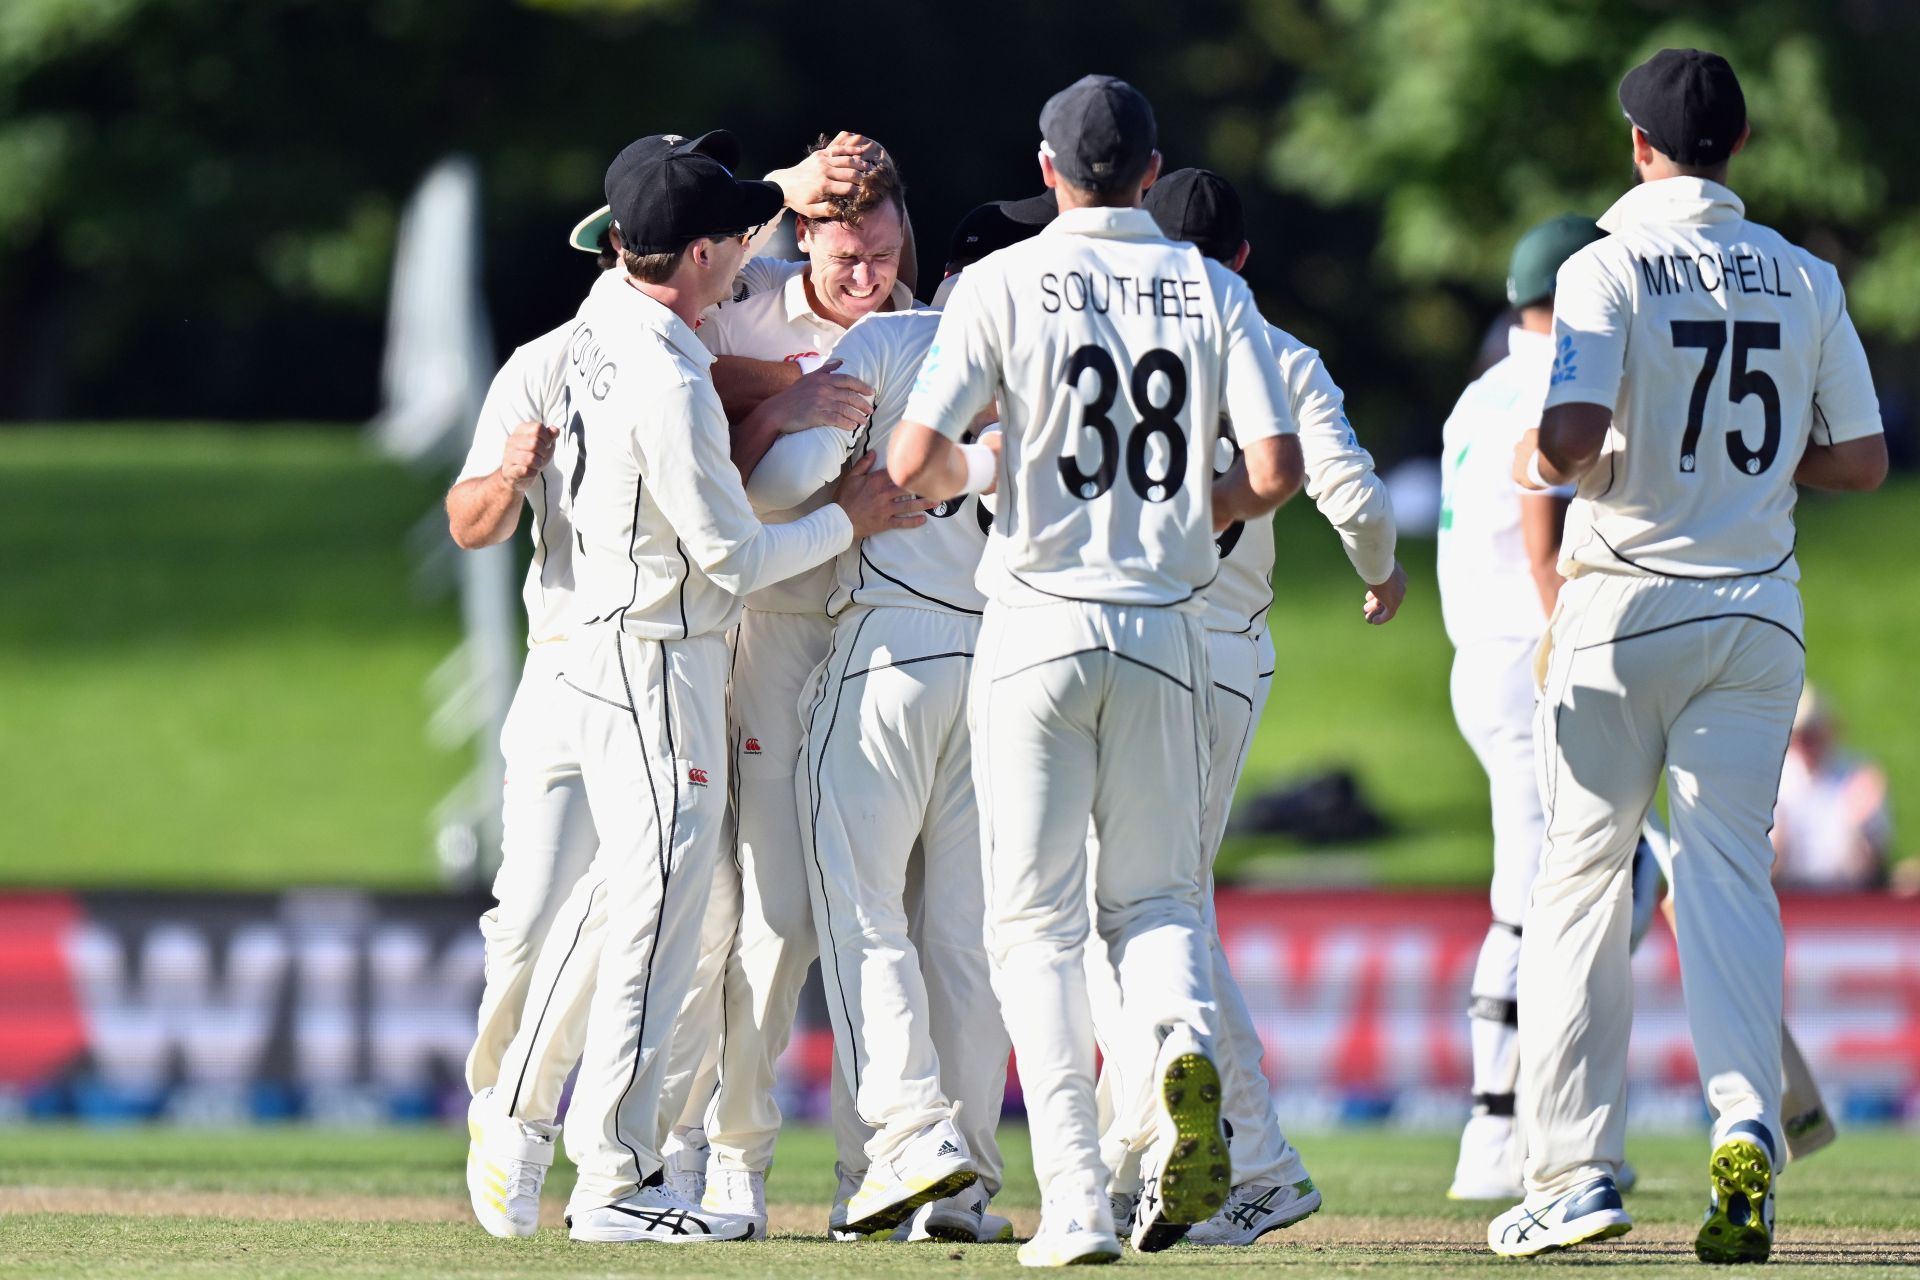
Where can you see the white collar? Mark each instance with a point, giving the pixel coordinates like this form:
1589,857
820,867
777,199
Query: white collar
1694,200
649,312
1115,224
793,297
1525,344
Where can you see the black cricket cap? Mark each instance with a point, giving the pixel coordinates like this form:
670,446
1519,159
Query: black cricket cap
993,226
1201,206
667,191
1098,131
1688,103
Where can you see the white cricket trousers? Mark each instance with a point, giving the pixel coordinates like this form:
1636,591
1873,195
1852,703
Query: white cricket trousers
1090,711
888,819
547,840
773,943
1494,695
1697,679
1242,665
651,721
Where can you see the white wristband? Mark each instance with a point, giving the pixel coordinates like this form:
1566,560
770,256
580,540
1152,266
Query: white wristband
1534,478
980,466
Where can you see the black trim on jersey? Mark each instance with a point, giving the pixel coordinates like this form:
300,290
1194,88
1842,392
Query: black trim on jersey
1685,622
866,564
904,662
1264,675
813,834
1624,558
1230,689
1119,604
687,572
619,706
547,1004
664,839
633,538
540,543
1098,648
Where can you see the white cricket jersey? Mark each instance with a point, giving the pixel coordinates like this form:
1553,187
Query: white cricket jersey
1113,352
934,566
667,540
1721,348
531,387
781,324
1340,480
1487,590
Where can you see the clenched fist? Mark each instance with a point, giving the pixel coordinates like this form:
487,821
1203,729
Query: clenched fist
529,450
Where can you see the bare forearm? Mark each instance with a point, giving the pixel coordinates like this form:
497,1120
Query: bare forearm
1543,520
750,438
482,511
1856,466
743,384
923,461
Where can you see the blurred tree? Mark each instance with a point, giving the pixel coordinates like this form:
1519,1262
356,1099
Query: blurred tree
1458,125
198,197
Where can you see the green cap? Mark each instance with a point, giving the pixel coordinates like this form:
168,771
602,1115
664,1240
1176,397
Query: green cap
586,233
1538,255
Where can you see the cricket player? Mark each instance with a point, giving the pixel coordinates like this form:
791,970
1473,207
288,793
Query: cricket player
665,543
886,810
1272,1188
548,835
1498,555
1703,367
852,271
1111,352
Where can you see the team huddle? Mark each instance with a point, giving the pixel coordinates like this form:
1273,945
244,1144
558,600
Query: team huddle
931,642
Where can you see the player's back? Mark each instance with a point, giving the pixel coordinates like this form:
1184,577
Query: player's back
931,567
1722,348
1112,368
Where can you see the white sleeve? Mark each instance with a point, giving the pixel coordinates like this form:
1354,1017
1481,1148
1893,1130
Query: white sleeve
961,372
1340,476
1254,398
1844,404
516,395
798,465
682,438
1591,314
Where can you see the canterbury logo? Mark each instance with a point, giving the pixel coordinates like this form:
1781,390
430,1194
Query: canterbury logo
753,747
698,777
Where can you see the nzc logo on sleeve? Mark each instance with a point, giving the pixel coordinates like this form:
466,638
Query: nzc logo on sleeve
1565,367
697,776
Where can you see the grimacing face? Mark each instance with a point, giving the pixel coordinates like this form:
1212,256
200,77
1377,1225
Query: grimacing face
853,268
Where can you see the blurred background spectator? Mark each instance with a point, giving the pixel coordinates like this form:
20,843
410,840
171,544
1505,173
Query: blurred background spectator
1831,828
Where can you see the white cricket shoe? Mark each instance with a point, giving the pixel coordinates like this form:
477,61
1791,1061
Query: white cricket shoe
507,1161
684,1163
1187,1170
741,1195
1591,1211
1490,1159
933,1165
1123,1205
1253,1210
1075,1230
655,1215
957,1218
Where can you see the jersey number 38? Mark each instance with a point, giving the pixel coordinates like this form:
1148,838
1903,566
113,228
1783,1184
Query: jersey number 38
1152,421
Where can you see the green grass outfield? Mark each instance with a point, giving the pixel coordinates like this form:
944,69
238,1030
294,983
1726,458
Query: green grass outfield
391,1203
212,669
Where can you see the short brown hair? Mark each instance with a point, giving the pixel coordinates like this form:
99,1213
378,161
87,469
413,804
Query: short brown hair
658,268
870,190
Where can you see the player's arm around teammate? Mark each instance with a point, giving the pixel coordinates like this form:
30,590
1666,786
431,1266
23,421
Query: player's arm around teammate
665,539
